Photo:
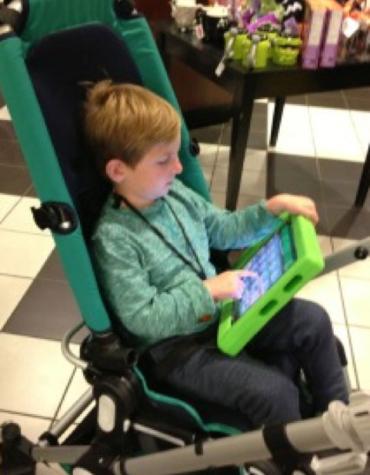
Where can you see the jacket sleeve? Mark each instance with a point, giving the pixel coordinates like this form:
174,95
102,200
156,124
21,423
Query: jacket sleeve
143,309
235,229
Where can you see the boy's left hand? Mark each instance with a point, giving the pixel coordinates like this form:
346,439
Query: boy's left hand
294,204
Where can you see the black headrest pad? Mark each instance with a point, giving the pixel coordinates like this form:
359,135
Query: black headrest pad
61,66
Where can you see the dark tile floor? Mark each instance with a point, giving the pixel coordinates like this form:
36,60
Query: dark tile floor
331,184
355,99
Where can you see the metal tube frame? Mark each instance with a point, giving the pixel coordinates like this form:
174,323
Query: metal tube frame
350,254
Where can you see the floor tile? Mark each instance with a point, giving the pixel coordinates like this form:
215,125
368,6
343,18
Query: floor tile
47,310
257,138
7,202
297,175
361,121
356,301
219,198
248,200
4,113
14,180
260,106
75,390
339,170
208,154
6,130
209,135
23,254
341,332
10,153
357,270
322,225
12,290
360,338
297,100
33,375
359,103
52,268
338,139
219,181
21,218
347,222
326,245
359,92
341,193
318,290
253,160
295,135
295,144
31,427
252,182
208,172
333,99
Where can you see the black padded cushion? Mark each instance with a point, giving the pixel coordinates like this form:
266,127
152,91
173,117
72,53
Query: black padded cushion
61,65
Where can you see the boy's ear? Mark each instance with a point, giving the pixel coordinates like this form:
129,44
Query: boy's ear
115,169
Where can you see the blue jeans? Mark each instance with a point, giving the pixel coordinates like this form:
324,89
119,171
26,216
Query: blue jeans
259,382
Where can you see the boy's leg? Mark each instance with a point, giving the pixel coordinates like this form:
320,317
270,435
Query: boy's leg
303,330
263,394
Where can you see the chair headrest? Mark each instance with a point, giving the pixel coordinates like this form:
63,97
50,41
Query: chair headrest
62,66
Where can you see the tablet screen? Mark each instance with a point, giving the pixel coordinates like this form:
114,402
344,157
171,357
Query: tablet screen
266,267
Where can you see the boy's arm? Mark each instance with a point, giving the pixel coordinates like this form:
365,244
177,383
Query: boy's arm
245,227
148,313
236,229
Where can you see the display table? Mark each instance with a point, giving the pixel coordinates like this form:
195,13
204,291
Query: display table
247,85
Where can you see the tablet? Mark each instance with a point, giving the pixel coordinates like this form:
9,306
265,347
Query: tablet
279,266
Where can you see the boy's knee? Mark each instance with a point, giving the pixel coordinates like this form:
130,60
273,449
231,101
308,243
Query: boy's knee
315,317
279,405
284,406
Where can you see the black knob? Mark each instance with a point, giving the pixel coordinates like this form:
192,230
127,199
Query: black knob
361,253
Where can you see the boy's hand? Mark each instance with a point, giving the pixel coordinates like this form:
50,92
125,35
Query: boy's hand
227,285
294,204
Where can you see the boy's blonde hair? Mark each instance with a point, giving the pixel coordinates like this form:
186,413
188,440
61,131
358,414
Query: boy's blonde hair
125,120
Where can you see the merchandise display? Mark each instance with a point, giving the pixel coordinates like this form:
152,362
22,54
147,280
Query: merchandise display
261,33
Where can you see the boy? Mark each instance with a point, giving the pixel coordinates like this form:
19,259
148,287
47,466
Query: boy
151,247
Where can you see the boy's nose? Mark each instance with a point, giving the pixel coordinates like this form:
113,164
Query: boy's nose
178,166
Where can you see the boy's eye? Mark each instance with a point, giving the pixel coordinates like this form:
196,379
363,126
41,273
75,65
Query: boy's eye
164,161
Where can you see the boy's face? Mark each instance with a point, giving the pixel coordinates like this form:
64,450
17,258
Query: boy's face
152,176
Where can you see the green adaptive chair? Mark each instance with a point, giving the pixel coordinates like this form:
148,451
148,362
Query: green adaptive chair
49,51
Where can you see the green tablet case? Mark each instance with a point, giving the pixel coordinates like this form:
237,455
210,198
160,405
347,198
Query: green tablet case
302,259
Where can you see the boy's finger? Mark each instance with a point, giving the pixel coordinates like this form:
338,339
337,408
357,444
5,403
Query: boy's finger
247,273
312,215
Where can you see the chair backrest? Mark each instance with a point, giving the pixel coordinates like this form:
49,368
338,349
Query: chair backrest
58,46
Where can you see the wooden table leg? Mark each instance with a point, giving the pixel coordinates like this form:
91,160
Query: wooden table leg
239,138
276,120
364,184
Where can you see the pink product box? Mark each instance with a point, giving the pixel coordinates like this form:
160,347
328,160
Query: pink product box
314,28
330,45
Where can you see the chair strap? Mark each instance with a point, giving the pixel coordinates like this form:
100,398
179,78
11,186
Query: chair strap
180,350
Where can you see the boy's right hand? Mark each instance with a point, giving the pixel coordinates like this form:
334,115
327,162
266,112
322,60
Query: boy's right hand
228,285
